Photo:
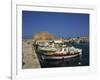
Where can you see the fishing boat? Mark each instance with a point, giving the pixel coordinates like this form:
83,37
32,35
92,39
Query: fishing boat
57,50
62,52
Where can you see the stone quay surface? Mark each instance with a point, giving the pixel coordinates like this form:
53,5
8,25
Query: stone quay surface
29,56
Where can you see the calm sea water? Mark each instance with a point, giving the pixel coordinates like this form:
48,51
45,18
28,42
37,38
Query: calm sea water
85,51
73,62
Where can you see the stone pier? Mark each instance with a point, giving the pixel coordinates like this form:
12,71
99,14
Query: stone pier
30,59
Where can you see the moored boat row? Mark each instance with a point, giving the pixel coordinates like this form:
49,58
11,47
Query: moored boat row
57,50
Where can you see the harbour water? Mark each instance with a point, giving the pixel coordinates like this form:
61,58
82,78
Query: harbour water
76,61
85,52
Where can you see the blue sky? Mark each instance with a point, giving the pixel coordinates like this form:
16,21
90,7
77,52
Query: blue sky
59,24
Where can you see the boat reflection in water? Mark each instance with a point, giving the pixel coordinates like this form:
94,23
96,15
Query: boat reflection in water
57,54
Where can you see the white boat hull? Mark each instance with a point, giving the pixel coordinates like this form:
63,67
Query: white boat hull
59,57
